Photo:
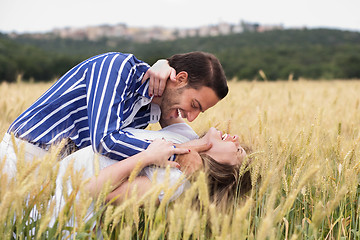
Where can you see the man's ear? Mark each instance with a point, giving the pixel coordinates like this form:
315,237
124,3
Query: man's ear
182,78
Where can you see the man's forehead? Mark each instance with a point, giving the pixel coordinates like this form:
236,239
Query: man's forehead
206,98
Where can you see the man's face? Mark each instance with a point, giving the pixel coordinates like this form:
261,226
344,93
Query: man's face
186,102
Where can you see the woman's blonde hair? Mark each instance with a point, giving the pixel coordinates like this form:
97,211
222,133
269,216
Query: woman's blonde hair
225,181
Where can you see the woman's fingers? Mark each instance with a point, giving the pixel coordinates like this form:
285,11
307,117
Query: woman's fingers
154,82
149,74
169,74
161,86
172,74
156,85
159,74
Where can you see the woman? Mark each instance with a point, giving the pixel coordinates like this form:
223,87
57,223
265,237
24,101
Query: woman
220,155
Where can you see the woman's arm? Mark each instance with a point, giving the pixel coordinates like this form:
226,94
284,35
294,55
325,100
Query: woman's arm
125,190
157,153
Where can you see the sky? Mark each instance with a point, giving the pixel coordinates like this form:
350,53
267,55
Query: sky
29,16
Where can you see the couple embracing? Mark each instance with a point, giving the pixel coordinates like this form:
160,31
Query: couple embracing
101,108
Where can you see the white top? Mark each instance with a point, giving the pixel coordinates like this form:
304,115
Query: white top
83,159
176,133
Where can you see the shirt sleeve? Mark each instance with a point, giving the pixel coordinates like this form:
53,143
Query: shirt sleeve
111,83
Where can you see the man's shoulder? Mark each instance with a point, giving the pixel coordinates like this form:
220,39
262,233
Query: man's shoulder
110,55
118,57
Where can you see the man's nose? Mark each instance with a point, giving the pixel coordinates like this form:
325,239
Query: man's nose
192,115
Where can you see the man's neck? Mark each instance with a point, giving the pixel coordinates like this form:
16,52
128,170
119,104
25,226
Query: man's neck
156,100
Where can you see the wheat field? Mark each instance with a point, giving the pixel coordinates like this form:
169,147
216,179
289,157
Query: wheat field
305,173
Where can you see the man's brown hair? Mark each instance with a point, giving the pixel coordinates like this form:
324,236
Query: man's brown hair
203,69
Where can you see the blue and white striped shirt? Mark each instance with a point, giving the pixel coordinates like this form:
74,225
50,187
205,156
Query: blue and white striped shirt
91,104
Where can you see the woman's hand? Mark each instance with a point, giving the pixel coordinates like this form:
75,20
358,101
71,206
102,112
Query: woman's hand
159,73
159,151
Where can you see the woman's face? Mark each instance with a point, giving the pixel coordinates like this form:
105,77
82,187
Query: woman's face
225,148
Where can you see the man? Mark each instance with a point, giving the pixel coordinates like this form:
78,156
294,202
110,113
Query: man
94,101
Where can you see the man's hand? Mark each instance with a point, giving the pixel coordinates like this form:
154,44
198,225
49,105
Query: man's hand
159,73
191,162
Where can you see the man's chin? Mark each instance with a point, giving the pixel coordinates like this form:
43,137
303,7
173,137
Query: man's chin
172,115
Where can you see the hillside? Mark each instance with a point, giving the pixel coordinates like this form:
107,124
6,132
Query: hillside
315,54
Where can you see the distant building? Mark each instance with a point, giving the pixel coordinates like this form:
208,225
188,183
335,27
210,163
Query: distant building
264,28
249,27
237,28
204,31
224,28
141,34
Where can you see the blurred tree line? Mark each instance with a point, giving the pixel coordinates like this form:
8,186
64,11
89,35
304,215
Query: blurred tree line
313,54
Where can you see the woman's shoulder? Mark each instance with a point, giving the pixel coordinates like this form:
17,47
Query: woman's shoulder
177,133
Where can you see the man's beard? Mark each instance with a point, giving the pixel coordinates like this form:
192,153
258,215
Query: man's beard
171,97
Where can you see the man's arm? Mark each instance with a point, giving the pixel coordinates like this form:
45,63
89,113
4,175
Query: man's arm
111,84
